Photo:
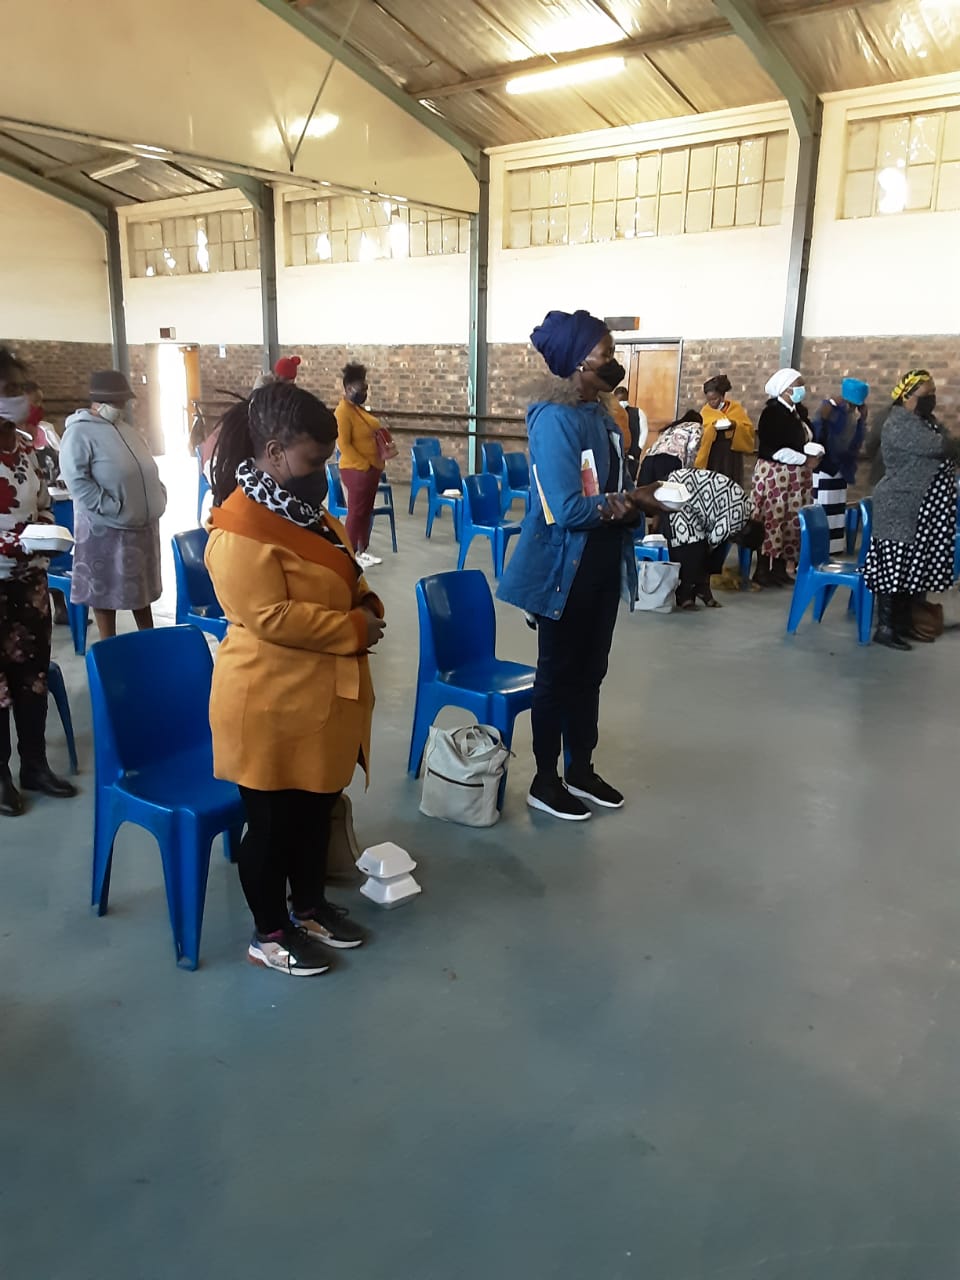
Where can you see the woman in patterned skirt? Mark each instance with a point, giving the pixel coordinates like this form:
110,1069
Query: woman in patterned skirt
914,511
782,478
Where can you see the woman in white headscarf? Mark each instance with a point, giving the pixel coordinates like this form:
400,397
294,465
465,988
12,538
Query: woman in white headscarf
782,477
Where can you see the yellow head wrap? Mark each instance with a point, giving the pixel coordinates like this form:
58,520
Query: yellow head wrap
909,383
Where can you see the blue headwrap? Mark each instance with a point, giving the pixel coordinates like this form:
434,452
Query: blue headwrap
566,340
854,391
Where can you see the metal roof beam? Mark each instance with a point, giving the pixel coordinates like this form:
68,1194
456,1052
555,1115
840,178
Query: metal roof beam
14,169
367,72
745,19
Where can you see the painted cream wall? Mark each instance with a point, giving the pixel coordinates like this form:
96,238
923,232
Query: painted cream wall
225,79
713,285
895,274
52,268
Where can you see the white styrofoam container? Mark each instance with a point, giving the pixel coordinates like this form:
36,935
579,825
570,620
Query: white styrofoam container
385,861
393,892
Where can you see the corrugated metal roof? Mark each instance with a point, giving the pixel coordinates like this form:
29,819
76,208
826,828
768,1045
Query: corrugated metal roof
433,47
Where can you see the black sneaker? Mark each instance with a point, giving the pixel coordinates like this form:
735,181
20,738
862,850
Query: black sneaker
292,952
549,795
588,785
332,926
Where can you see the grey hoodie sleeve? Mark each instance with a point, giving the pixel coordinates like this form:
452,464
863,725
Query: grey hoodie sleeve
75,457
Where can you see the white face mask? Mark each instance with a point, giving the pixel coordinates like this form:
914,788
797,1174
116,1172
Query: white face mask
15,409
110,412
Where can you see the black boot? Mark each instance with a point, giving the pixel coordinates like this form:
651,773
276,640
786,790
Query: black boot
886,632
781,573
30,714
763,576
11,801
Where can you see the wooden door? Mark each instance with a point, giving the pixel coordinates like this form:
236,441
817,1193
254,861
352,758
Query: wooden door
654,379
191,368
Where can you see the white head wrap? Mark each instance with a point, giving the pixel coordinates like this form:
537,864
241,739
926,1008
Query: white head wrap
780,381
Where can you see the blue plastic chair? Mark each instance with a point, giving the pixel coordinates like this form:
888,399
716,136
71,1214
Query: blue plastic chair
58,692
650,553
481,514
60,578
197,603
385,508
865,523
745,561
516,480
423,449
336,497
203,485
851,524
458,662
491,458
445,475
818,579
154,767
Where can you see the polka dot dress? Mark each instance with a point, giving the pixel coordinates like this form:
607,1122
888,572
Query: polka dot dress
926,564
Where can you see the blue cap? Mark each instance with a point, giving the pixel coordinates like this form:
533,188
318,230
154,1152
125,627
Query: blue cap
854,391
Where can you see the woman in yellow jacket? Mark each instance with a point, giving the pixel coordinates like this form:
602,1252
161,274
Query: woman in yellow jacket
361,464
292,699
728,432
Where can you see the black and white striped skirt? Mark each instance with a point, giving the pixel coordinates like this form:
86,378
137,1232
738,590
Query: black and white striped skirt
831,492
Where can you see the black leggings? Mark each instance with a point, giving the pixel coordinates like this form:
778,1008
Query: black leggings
697,561
286,839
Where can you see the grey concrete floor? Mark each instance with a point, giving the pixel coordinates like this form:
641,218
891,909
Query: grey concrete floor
716,1034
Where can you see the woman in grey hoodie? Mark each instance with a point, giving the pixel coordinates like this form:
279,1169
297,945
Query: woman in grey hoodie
117,502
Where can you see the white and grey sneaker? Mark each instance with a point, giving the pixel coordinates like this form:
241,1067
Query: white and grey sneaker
366,561
292,952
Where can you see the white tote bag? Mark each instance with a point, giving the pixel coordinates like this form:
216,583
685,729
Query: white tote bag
462,771
657,585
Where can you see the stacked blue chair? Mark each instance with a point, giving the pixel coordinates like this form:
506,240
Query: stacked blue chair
336,498
197,603
516,480
446,490
203,485
491,458
423,449
865,523
60,578
458,662
58,692
154,767
384,507
851,524
818,578
481,514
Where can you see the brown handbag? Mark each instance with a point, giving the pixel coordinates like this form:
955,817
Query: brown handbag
344,848
927,619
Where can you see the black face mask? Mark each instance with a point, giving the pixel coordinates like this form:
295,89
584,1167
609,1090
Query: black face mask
926,405
611,374
310,489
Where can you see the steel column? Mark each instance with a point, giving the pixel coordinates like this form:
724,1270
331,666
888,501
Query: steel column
479,259
268,276
118,320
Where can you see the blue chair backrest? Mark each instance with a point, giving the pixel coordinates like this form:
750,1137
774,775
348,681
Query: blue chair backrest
518,470
149,691
190,547
866,518
335,485
421,460
814,538
62,515
482,497
446,473
492,457
457,621
430,443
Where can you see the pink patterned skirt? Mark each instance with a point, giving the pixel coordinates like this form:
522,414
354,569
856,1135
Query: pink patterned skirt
779,491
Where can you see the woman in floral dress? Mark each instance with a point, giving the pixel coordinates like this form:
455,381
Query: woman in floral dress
782,477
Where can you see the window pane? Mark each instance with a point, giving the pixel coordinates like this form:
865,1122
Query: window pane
724,206
539,188
213,228
186,231
434,237
559,178
464,235
151,235
627,178
604,218
648,175
338,214
775,169
699,209
894,140
557,232
701,169
249,219
772,211
647,216
252,251
673,175
313,250
338,246
858,195
139,260
924,139
671,215
309,217
136,236
626,219
862,140
951,136
323,215
418,235
518,236
213,251
451,235
169,232
581,184
539,227
751,161
298,223
920,186
580,216
728,163
748,206
520,189
948,195
604,180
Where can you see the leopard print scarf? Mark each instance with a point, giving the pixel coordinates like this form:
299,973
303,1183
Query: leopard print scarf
263,489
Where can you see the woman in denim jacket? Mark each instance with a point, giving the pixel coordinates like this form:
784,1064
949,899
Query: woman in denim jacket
574,559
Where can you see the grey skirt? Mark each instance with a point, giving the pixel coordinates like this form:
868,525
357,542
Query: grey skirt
115,568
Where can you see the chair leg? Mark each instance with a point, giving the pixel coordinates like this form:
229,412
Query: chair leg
77,615
803,593
413,497
185,853
231,843
431,514
393,529
422,719
465,540
58,691
745,558
864,610
106,823
824,596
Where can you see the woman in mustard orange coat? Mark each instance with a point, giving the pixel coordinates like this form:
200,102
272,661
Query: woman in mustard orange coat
728,432
292,698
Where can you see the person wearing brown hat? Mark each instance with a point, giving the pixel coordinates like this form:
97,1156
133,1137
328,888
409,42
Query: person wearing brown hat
118,500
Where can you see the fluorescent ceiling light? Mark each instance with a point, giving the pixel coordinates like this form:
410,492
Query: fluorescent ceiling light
118,166
561,77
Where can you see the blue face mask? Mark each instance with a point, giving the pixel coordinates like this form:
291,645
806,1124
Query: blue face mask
797,394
